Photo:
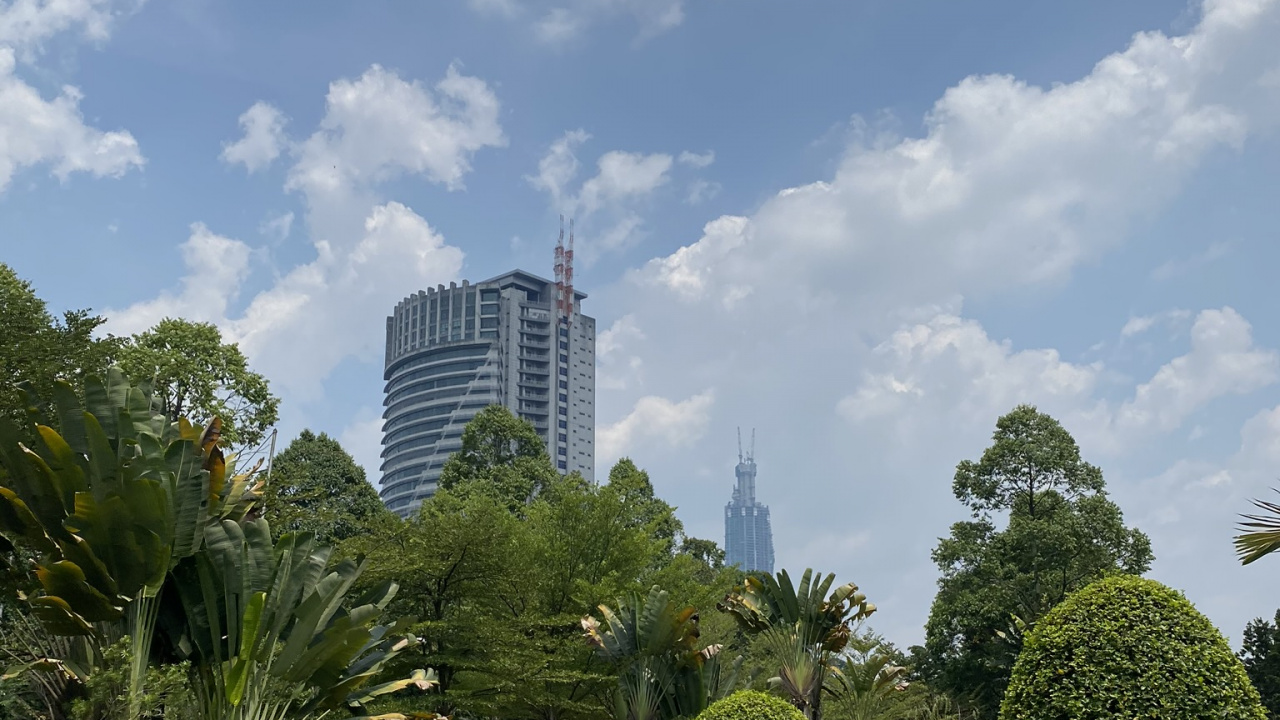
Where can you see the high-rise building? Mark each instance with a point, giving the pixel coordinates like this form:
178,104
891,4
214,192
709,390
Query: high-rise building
515,340
748,538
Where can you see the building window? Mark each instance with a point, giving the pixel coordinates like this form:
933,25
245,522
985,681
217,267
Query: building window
564,332
488,322
564,465
563,437
564,345
562,451
488,296
564,384
564,398
488,334
564,424
564,372
564,411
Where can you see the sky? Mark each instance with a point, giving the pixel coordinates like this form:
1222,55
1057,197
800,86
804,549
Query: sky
865,229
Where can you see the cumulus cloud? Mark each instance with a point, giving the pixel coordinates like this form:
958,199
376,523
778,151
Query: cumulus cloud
617,364
380,126
605,204
263,139
53,132
26,24
950,371
999,192
656,420
315,315
1140,324
216,266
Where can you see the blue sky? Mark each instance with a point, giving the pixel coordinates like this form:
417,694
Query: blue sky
866,229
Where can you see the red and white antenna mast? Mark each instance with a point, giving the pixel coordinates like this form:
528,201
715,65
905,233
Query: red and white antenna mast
568,279
560,269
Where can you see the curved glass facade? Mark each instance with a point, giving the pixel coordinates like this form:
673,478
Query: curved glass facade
453,351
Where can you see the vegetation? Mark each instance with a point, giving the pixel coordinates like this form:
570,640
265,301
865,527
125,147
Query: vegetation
751,705
146,572
317,487
194,374
37,349
1061,534
1261,656
1128,647
141,529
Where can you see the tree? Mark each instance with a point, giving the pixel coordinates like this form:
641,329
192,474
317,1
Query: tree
1261,656
663,674
1062,533
194,374
143,529
634,488
501,454
39,349
802,628
1127,647
316,487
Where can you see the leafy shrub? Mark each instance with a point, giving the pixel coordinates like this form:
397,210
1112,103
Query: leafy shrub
1125,647
751,705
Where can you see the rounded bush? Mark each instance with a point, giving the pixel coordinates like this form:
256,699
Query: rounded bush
751,705
1126,647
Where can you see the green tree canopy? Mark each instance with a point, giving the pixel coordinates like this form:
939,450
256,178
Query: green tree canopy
1261,656
39,349
1061,533
1126,647
195,374
317,487
501,454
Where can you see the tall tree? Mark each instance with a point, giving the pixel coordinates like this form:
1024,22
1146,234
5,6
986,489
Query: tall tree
1261,656
195,374
501,454
636,490
317,487
39,349
1062,533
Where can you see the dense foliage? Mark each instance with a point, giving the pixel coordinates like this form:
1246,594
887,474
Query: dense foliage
317,487
1261,657
1128,647
194,374
38,349
1062,533
751,705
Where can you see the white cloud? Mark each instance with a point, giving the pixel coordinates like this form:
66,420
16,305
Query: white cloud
701,191
263,140
278,226
1141,323
363,439
36,131
950,371
1222,361
999,192
561,21
317,314
1179,267
26,24
655,420
216,266
559,166
617,364
380,126
950,366
605,205
696,160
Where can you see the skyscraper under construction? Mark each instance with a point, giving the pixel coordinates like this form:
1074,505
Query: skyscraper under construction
748,538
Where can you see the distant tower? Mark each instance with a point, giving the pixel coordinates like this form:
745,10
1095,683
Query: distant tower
748,538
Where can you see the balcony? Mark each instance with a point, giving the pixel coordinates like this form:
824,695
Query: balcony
534,384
